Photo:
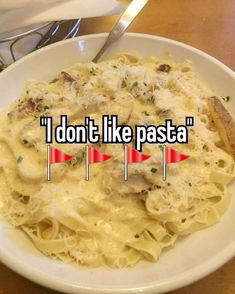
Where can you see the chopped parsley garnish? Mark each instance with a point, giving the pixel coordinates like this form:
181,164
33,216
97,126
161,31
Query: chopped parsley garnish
54,80
25,142
137,236
73,161
135,84
152,99
145,113
153,170
226,99
46,107
92,71
157,186
19,159
115,66
160,147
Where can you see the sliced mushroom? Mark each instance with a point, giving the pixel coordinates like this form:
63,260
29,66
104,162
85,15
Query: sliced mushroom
224,123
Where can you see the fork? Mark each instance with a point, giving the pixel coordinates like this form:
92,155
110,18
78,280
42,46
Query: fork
121,25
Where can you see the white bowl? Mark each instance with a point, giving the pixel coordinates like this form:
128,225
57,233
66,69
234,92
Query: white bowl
192,257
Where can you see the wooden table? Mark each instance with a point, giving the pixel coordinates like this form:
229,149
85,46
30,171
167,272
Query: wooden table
205,24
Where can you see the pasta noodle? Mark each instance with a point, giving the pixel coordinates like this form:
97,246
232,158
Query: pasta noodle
106,220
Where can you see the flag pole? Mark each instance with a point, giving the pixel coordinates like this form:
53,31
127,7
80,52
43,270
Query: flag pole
48,163
125,163
86,163
164,162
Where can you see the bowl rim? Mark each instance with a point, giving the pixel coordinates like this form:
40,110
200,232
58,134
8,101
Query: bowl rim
183,279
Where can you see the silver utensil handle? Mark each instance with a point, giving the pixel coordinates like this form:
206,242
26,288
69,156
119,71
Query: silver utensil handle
119,28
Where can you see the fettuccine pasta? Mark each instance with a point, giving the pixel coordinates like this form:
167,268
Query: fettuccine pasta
106,220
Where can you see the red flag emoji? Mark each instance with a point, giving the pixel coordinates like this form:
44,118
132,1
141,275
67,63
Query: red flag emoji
170,155
130,156
134,155
54,155
93,156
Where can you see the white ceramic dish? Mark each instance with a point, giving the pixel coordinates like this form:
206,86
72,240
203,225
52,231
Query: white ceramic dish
192,257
